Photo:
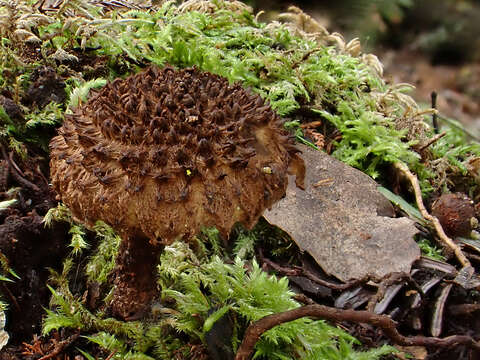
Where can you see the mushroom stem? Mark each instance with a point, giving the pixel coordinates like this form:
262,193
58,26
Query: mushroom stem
134,278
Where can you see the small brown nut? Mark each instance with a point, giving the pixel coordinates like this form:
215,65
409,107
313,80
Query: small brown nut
455,213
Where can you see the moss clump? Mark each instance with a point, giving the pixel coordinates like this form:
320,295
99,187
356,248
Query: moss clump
198,290
303,71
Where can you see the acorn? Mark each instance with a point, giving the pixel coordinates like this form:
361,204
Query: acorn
174,165
456,213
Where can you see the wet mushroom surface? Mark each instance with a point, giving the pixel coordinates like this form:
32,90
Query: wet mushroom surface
163,153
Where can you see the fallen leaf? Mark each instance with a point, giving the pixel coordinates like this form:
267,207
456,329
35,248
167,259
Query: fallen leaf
345,224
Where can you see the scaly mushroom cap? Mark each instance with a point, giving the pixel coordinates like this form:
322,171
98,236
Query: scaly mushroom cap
165,152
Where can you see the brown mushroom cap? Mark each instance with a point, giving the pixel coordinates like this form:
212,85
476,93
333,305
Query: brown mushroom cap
165,152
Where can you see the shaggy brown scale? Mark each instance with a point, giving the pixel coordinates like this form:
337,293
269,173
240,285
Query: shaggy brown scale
165,152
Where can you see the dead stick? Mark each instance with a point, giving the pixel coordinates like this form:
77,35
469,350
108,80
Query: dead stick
12,298
434,115
447,242
256,329
14,164
432,140
59,347
109,357
276,267
15,174
331,285
296,271
313,124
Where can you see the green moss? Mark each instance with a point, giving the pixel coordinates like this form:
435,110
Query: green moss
431,251
102,263
297,72
197,289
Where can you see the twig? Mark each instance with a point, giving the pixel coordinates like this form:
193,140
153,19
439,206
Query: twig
446,241
109,357
310,125
276,267
23,181
331,285
60,346
14,164
39,172
256,329
391,279
432,140
434,115
302,298
16,174
298,271
12,297
305,57
281,269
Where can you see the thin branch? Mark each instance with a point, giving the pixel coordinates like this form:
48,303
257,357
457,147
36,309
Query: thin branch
13,299
256,329
300,271
305,57
334,286
446,241
17,174
112,354
395,278
276,267
311,125
60,346
432,141
14,164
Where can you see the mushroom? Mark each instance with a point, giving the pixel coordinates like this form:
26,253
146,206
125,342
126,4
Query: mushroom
163,153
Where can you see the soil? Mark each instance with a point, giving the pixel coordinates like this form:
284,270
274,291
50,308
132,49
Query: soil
30,247
46,87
